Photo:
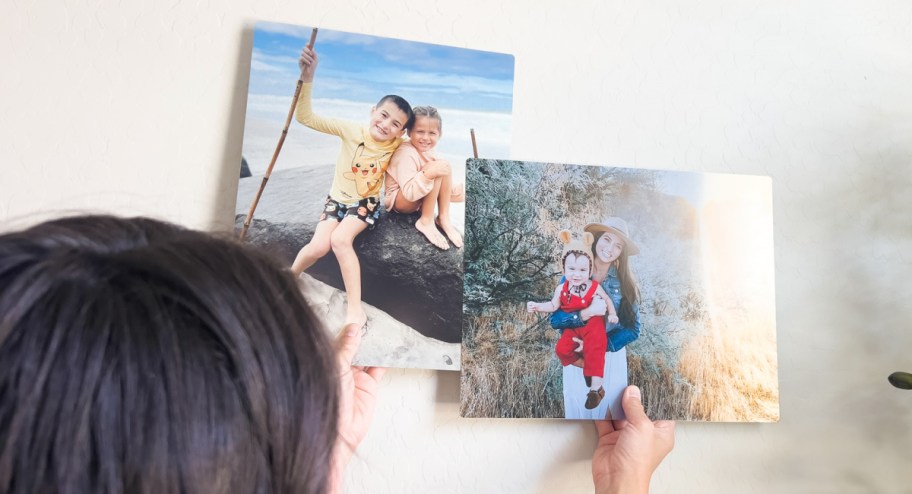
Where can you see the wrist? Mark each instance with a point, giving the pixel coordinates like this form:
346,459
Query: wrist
623,484
337,473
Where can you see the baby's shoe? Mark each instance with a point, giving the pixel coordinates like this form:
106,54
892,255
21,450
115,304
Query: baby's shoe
593,398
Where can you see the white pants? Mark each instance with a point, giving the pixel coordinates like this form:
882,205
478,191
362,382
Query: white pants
575,389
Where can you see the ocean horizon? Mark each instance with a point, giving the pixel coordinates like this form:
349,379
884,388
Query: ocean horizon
304,147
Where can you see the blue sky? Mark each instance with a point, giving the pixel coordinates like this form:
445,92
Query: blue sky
358,67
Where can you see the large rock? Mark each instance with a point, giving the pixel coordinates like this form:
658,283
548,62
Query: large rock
387,342
401,272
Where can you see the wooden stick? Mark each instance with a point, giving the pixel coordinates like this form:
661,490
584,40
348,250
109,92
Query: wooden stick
474,146
275,154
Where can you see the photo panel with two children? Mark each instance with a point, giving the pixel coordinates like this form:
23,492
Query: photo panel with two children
347,162
580,280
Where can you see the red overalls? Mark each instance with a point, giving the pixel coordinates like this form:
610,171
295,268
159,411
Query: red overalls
595,341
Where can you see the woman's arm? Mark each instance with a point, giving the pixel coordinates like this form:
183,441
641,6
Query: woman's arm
629,451
358,398
572,320
566,320
625,332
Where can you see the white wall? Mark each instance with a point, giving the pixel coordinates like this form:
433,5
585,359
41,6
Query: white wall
139,110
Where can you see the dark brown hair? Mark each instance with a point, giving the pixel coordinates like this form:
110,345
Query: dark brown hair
137,356
630,292
403,105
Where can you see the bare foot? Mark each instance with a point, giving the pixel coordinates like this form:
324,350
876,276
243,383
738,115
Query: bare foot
458,194
433,236
451,232
355,315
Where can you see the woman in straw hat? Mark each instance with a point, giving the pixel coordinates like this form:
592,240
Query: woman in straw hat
611,250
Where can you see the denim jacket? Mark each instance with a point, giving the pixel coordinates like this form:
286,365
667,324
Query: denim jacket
620,334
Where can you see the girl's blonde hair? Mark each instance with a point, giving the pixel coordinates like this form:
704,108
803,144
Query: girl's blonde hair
429,112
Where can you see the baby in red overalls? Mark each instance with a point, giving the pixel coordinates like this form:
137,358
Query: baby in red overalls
576,293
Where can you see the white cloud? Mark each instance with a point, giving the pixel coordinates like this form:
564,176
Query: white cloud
450,82
284,61
346,38
287,29
260,66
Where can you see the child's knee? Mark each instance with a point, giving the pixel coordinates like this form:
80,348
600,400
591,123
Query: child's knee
317,248
564,349
457,193
341,244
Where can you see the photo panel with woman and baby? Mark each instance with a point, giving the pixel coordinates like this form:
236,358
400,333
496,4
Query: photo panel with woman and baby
580,280
349,164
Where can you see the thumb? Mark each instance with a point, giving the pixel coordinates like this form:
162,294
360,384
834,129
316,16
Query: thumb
603,427
347,344
633,406
665,435
665,427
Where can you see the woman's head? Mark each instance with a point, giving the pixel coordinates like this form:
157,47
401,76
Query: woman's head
427,128
139,356
613,246
615,239
609,247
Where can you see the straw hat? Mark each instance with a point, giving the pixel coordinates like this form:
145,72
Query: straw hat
618,227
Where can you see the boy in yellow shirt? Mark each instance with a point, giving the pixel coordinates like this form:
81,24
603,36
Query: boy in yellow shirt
354,199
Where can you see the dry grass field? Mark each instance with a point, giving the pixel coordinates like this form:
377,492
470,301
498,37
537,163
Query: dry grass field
509,367
509,370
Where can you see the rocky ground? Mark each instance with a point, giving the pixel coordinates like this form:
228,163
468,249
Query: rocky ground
387,342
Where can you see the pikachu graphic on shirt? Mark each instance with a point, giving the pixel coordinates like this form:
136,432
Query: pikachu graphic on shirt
367,171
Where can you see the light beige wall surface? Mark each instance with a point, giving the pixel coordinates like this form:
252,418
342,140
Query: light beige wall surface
113,106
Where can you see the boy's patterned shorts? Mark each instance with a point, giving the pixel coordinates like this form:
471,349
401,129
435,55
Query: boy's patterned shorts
366,210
